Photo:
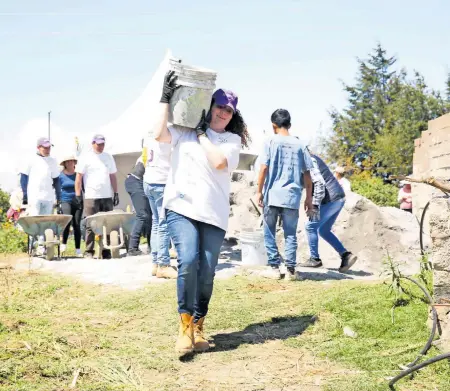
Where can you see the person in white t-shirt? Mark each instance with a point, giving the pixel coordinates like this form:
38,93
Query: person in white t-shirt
155,178
39,181
196,202
339,173
96,170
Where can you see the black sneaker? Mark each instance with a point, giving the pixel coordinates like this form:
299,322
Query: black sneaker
106,254
348,260
134,252
312,262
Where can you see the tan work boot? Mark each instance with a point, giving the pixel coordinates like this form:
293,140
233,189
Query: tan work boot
185,341
154,269
167,272
200,343
173,254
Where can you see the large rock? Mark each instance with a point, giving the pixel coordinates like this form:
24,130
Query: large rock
369,231
372,233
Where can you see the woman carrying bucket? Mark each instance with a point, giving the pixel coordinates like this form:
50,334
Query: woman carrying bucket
196,201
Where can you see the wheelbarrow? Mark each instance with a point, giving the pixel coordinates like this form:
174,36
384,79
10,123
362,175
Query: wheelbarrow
49,226
115,224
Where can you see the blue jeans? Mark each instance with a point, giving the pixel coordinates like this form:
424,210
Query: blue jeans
40,208
289,218
198,247
159,239
328,215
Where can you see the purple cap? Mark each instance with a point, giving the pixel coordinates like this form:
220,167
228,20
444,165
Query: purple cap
44,142
225,98
98,139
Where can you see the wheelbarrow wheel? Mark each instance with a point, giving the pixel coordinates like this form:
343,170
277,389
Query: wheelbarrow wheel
49,237
114,241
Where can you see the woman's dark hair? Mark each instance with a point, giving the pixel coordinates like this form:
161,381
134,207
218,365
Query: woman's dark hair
281,118
237,126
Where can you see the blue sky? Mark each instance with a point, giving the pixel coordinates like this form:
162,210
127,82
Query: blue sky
87,62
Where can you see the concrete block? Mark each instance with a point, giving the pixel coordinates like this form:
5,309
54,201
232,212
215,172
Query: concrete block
439,123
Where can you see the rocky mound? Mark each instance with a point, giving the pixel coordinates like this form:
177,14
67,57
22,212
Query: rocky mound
369,231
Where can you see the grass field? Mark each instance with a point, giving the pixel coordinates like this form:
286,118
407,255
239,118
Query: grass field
267,335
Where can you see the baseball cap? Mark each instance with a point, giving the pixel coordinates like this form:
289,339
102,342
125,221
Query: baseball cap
98,139
339,169
225,98
44,142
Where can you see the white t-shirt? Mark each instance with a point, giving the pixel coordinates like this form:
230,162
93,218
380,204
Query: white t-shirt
41,171
346,185
194,188
96,169
158,162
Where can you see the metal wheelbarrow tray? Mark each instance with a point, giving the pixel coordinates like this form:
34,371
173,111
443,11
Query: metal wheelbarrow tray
116,224
49,226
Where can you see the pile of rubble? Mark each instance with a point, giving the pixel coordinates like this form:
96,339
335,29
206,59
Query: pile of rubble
371,232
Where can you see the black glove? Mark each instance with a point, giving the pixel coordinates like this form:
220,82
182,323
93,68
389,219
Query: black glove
202,126
78,201
169,87
116,199
25,200
58,207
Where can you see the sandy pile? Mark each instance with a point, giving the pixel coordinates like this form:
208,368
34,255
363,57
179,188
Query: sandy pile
369,231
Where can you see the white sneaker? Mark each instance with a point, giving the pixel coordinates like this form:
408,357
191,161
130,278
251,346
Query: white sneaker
40,251
272,272
62,248
78,253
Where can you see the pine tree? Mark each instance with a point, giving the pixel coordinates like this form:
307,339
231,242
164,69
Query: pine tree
448,87
385,113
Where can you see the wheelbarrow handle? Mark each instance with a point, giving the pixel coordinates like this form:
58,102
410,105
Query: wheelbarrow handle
105,241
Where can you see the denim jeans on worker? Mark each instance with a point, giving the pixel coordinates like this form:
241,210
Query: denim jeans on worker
198,247
328,215
289,219
143,224
159,239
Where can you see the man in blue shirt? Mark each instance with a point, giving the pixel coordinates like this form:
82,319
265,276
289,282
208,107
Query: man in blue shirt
285,166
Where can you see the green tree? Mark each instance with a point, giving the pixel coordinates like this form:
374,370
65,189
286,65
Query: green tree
448,87
4,205
386,111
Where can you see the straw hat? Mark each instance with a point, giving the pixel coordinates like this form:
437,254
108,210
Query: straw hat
67,158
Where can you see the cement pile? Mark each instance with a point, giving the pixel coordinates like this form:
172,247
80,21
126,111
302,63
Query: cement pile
369,231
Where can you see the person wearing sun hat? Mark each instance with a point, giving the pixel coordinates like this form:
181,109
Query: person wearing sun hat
196,201
96,170
68,204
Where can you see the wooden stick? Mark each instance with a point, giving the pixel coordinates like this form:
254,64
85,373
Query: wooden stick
76,373
427,181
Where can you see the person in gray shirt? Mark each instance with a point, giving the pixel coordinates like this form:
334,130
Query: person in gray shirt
328,201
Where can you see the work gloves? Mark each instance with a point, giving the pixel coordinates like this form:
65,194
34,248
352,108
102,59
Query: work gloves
202,126
169,87
116,199
78,202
